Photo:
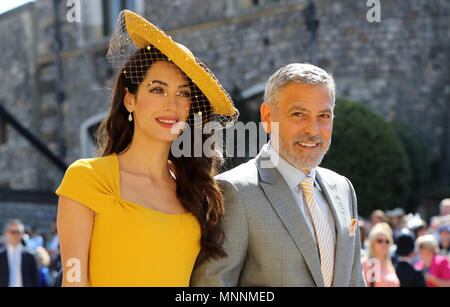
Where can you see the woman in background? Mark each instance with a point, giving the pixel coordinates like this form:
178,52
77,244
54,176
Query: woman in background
378,268
435,267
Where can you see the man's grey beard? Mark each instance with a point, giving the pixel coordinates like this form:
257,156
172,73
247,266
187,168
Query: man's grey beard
302,163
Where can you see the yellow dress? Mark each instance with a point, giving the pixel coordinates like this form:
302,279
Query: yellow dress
131,245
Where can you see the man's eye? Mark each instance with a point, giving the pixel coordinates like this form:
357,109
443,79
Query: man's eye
325,116
297,114
157,90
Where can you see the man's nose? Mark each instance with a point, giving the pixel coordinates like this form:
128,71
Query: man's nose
311,126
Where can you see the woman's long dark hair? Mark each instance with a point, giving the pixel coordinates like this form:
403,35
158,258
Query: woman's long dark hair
196,188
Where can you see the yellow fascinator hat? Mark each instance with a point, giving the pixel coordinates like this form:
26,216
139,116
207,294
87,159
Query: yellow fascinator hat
133,33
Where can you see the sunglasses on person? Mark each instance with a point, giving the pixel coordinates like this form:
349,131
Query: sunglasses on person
381,241
14,232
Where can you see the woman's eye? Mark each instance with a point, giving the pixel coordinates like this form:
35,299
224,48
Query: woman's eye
184,94
157,90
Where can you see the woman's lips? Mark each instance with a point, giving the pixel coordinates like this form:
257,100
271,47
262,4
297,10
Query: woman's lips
167,122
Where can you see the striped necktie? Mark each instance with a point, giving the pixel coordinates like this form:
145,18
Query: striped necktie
323,231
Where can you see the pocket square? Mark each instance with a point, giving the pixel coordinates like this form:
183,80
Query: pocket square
352,227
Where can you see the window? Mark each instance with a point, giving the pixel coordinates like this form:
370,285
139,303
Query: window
92,132
3,132
111,10
88,129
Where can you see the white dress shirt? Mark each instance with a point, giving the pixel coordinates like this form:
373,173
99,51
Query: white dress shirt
18,251
293,177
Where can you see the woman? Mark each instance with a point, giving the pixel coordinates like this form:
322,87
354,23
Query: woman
377,216
138,216
444,237
435,267
378,268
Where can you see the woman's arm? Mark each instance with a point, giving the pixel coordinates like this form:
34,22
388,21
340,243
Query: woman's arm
74,222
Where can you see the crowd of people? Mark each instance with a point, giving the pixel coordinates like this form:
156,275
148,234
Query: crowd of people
400,250
28,258
397,250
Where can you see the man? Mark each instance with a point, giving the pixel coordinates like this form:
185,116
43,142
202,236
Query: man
18,267
289,222
396,221
444,207
444,240
407,274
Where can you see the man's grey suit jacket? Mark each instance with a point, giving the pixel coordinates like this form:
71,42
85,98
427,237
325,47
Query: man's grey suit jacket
266,236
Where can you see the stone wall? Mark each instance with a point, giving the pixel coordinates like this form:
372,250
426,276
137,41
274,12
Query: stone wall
399,67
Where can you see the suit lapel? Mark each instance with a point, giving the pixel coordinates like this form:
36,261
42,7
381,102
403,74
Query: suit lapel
338,210
284,204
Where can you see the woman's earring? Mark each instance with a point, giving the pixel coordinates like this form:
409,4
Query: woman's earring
130,118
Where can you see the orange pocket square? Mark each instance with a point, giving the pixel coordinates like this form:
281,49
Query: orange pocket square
352,227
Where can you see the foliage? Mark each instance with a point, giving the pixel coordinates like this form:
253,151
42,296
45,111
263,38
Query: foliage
367,150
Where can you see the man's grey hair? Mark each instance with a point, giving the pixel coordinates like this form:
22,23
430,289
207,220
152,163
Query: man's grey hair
302,73
444,203
16,223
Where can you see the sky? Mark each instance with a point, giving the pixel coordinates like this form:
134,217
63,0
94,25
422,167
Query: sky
6,5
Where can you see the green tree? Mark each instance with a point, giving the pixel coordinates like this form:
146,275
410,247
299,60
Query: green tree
366,149
419,164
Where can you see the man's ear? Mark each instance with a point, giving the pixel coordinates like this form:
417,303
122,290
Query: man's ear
266,112
129,101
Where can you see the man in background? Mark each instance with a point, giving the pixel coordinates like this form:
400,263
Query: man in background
18,267
406,273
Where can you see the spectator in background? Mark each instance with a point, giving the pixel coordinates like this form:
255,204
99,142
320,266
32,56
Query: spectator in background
53,250
444,207
363,235
416,225
43,261
434,267
439,226
34,240
435,223
18,266
444,240
406,273
378,268
378,216
396,220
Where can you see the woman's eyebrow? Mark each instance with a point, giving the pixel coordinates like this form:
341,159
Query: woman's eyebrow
165,84
157,81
